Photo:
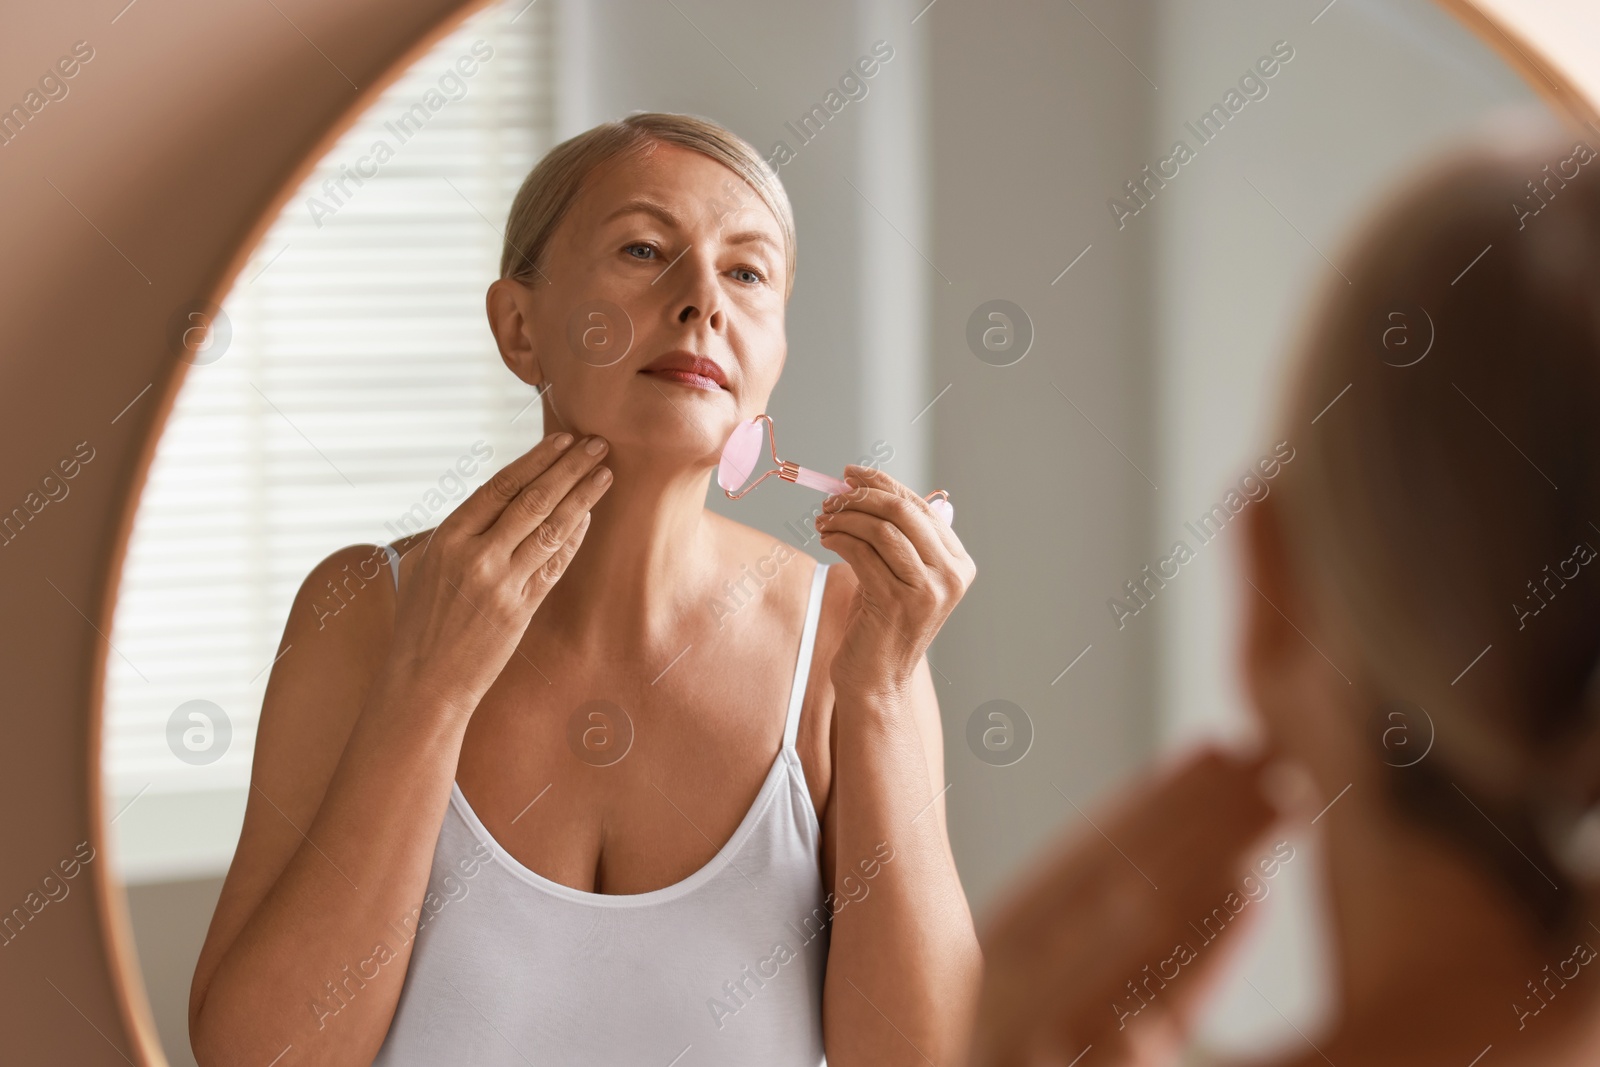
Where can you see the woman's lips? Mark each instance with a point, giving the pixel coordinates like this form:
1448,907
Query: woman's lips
685,377
687,368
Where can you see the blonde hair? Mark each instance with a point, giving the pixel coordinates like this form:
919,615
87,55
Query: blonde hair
550,188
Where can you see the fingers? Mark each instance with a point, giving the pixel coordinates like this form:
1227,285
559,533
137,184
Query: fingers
552,535
1093,916
915,527
1209,813
934,542
871,477
537,499
546,574
484,504
888,541
1184,826
877,580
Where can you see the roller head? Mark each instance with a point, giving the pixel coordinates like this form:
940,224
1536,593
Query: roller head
739,456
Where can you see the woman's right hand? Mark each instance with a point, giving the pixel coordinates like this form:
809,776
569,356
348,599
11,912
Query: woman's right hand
466,599
1072,940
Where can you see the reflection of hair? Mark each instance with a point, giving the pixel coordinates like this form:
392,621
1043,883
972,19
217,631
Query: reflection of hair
1443,504
555,182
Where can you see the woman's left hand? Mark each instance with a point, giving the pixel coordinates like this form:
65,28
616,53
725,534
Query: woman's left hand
911,572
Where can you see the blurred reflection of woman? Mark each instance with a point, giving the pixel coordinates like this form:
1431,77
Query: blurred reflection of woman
634,824
1423,574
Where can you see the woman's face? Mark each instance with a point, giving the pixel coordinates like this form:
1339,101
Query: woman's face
658,319
1309,710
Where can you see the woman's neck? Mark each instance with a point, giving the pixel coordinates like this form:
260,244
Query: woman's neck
1432,953
648,553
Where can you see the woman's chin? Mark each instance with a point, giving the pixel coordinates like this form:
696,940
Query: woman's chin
674,437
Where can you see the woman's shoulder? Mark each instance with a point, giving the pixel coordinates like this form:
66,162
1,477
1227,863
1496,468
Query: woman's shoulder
753,556
404,545
345,604
766,554
739,546
334,643
734,535
348,599
744,543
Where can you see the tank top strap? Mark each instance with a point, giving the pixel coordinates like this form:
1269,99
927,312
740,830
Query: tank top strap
394,564
802,667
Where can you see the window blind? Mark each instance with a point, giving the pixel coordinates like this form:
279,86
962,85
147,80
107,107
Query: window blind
359,374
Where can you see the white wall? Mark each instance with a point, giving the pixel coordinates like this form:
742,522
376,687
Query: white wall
1037,117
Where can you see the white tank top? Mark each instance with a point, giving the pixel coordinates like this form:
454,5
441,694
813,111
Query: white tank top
725,967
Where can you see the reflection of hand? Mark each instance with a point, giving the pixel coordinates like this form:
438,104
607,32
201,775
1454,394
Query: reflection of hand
1062,949
912,572
467,600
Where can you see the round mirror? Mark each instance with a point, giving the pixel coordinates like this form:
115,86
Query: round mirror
1051,259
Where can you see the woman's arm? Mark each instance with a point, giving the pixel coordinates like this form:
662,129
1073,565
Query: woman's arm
1093,945
347,793
904,966
360,732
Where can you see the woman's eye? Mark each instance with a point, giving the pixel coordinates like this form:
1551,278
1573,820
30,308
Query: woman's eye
634,250
745,274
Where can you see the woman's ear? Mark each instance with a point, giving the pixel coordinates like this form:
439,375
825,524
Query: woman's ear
507,303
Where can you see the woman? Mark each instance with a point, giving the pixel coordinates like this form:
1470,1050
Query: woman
630,828
1422,637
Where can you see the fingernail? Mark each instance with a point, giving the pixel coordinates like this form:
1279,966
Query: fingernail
562,441
595,446
602,475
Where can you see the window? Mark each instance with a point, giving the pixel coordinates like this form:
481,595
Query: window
359,381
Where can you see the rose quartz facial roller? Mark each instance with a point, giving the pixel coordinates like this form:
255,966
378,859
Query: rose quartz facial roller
739,457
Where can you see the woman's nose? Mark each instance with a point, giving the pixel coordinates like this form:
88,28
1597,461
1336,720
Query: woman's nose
702,297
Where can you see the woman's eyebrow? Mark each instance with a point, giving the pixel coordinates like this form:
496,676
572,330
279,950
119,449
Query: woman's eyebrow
750,237
648,207
665,215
